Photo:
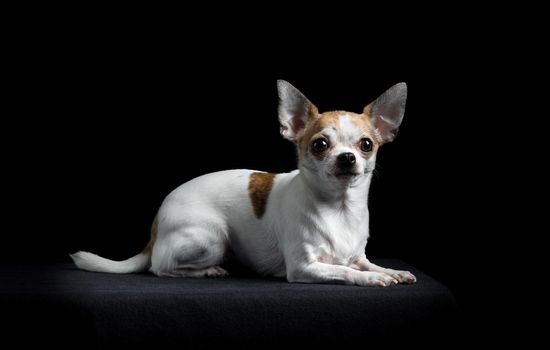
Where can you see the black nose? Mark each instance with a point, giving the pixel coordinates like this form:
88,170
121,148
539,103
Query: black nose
346,159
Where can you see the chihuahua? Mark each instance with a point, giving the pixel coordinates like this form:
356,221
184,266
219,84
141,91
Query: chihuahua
310,225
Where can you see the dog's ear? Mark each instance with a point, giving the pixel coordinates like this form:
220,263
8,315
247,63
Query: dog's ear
294,110
386,112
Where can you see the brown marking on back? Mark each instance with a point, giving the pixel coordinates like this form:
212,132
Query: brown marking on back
259,187
154,229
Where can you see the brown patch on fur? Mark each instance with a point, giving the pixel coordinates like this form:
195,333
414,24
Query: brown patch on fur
324,120
363,121
377,138
154,228
259,188
315,125
367,110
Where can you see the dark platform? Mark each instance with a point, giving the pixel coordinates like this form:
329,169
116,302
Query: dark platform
64,306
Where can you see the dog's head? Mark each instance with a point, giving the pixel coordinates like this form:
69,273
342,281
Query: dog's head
339,146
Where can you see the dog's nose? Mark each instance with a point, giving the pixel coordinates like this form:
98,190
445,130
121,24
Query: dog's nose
346,159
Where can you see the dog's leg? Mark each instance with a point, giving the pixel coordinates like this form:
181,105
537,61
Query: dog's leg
364,264
190,252
212,271
318,272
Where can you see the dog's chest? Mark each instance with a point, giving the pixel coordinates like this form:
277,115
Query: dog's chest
341,235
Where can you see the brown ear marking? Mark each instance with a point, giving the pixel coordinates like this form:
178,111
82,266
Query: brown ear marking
259,187
154,228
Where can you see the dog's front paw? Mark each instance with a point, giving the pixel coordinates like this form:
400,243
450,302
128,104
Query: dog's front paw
377,279
216,271
403,276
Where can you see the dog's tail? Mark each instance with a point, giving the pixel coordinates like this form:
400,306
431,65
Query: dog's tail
92,262
138,263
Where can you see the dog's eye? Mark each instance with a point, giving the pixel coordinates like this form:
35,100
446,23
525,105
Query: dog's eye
319,145
366,145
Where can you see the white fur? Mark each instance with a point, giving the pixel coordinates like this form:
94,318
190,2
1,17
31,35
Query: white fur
92,262
348,133
314,229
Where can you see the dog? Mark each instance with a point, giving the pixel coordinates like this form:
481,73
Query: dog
310,225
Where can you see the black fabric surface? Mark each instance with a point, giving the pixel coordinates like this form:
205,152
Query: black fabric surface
63,306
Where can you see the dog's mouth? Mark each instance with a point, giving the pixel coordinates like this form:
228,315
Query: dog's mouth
345,174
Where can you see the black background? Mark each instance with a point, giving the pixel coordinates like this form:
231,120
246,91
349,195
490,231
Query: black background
112,112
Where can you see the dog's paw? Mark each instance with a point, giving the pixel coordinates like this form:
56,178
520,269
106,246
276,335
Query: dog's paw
377,279
216,271
212,271
403,276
